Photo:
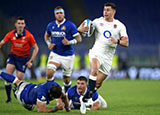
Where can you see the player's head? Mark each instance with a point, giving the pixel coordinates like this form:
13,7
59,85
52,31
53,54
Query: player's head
81,84
109,11
20,23
59,13
55,92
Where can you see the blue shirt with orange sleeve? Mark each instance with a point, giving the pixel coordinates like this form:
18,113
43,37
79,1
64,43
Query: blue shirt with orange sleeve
20,45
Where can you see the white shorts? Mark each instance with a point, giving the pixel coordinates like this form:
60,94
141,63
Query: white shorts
66,63
21,101
105,65
19,91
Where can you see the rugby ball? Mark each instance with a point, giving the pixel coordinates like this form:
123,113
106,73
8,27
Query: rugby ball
88,23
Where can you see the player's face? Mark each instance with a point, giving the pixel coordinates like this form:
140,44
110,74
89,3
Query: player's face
59,16
20,24
108,13
81,86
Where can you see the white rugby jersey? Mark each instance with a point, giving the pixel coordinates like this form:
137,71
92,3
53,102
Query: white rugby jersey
103,30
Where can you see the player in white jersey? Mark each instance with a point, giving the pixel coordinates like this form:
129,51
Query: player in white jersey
109,33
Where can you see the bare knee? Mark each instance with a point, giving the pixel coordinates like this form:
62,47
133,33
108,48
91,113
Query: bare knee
49,73
94,72
98,84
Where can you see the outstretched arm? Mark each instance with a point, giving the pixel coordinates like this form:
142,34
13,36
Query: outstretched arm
66,102
41,107
123,42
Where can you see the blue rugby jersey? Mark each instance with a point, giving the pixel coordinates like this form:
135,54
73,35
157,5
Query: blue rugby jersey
32,92
58,32
73,95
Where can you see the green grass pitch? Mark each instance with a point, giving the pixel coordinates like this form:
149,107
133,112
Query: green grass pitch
124,97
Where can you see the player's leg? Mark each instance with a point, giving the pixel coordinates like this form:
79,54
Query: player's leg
93,75
9,69
51,68
52,65
67,82
20,75
10,78
100,78
67,66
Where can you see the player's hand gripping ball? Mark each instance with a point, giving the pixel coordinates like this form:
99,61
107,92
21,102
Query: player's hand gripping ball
88,23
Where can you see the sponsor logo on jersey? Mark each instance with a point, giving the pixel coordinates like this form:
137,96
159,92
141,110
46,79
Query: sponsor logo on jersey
107,34
58,34
18,45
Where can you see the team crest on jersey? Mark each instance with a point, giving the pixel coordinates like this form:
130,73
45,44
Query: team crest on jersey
101,24
63,28
115,26
43,98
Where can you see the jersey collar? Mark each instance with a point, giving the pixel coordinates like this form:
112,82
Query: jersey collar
19,35
61,22
109,21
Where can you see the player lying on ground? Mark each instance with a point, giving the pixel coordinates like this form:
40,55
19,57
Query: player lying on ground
29,94
76,92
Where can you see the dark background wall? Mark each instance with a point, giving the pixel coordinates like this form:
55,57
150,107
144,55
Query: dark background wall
141,18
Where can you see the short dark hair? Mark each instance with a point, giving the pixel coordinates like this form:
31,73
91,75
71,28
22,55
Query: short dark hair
58,7
113,6
20,18
82,78
55,91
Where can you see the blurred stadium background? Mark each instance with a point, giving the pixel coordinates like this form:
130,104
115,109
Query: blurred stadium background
140,60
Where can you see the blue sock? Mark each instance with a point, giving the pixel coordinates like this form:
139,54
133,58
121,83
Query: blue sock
8,77
67,86
8,91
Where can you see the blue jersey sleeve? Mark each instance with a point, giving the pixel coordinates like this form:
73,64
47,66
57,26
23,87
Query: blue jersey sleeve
48,29
74,31
95,96
69,92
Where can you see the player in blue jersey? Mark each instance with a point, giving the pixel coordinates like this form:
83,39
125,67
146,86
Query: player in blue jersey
60,36
78,91
29,94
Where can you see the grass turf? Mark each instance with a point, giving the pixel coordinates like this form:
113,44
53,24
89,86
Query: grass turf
124,97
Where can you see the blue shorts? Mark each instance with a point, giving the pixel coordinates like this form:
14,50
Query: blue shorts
19,62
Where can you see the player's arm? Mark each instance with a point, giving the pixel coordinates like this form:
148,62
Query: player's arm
34,53
66,102
82,29
41,107
123,42
47,39
96,106
2,43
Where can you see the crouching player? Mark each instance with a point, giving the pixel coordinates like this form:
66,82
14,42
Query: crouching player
29,94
